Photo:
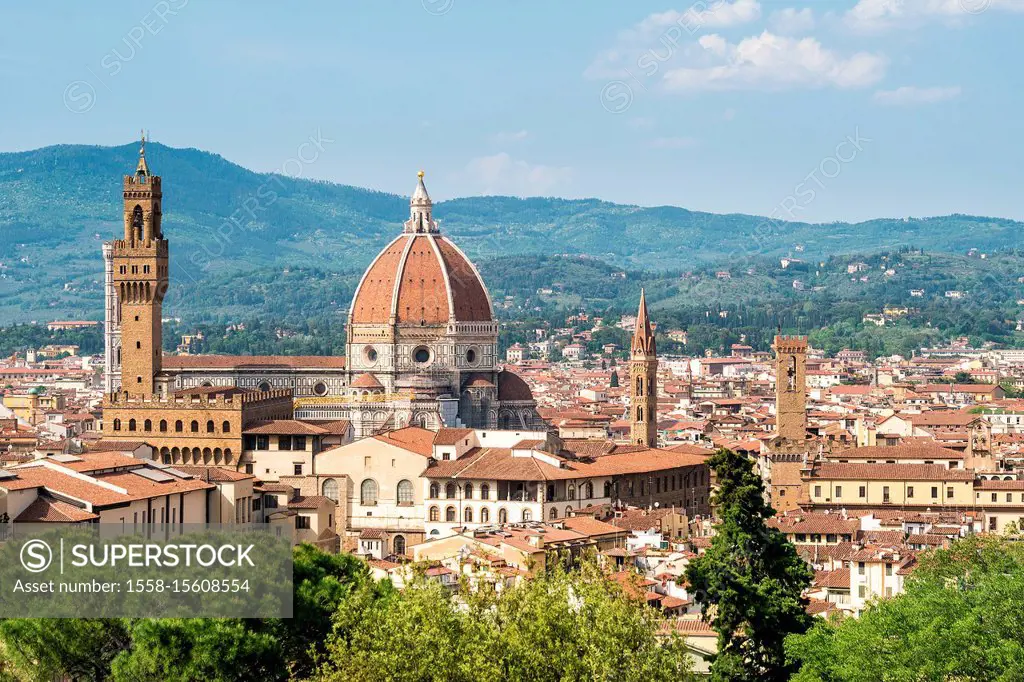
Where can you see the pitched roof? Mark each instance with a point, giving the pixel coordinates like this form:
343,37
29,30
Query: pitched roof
182,362
910,451
890,472
45,510
285,427
412,438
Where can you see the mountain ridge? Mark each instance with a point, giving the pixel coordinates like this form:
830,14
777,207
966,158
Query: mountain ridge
58,203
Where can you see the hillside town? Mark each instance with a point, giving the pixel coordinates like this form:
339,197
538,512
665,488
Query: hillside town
422,448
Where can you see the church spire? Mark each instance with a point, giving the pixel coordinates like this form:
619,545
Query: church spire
643,335
643,376
421,209
142,170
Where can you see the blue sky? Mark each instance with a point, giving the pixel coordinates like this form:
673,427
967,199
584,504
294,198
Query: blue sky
818,110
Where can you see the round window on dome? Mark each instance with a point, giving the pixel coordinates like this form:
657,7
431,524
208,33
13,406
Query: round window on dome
421,355
370,353
264,386
319,388
471,356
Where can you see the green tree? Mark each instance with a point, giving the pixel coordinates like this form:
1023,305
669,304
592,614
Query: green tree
182,650
958,619
556,626
750,581
79,649
322,583
614,381
963,377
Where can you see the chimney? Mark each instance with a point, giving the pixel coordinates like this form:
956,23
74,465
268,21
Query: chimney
535,541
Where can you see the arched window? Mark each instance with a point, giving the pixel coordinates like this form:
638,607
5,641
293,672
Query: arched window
131,424
639,386
568,512
147,425
194,426
502,515
485,492
449,515
368,492
137,223
163,426
588,489
469,491
209,426
398,545
571,492
527,515
639,414
434,491
467,515
404,492
554,514
330,489
435,514
607,488
449,491
485,515
226,426
117,424
178,426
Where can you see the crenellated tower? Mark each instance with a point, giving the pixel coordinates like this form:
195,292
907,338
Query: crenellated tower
643,373
791,387
139,277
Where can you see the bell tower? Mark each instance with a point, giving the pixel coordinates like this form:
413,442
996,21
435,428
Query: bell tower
140,279
791,387
643,380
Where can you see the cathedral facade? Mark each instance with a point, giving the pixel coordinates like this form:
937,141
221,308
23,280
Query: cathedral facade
421,347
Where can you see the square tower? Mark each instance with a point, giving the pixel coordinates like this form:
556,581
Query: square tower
791,387
140,279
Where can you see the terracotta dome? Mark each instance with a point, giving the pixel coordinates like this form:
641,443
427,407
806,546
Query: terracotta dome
421,278
512,387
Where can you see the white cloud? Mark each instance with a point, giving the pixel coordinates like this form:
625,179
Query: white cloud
910,95
502,174
510,136
673,142
639,122
661,37
877,15
792,21
771,62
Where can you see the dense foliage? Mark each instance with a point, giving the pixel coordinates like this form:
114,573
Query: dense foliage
959,619
347,626
183,650
749,583
558,626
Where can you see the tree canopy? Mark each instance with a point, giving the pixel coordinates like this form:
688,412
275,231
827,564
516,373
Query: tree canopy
749,583
959,618
560,625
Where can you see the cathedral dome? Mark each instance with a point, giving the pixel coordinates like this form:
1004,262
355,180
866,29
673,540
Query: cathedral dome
421,278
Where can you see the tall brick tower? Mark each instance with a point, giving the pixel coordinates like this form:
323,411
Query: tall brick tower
791,387
140,279
643,375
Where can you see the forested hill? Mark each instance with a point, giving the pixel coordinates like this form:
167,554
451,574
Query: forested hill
58,204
